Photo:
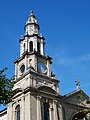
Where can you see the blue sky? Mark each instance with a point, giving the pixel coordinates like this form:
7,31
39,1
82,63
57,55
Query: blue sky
66,26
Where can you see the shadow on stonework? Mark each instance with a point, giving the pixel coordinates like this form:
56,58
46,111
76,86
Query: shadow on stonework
79,116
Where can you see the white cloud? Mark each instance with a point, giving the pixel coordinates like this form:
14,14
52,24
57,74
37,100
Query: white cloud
70,61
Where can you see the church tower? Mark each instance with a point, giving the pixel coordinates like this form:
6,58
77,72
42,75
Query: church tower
32,51
36,89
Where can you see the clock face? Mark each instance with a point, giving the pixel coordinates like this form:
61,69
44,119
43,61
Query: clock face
42,67
22,69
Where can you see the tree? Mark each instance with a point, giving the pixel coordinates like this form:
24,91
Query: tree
6,86
87,110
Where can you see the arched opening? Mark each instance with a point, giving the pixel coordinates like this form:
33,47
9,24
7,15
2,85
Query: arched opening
31,46
24,47
79,116
22,69
38,47
46,111
18,112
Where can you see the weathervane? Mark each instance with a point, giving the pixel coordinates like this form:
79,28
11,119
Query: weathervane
77,84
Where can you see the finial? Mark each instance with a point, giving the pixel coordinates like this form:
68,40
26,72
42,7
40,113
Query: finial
21,37
41,34
31,12
77,84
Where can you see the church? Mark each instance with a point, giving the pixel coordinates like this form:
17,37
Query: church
36,89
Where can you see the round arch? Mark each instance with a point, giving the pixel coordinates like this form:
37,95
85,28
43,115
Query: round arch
79,116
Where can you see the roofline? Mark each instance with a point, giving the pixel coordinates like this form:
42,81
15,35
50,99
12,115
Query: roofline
32,53
73,93
3,112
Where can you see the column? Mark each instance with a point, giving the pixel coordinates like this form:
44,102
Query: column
55,109
48,68
21,48
35,63
60,112
14,115
39,108
14,112
26,43
23,108
16,70
26,63
50,111
9,112
27,107
42,48
35,43
58,91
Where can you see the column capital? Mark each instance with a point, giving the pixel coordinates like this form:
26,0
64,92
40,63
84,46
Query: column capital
55,101
39,97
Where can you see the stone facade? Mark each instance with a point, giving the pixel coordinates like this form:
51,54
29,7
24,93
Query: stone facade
36,89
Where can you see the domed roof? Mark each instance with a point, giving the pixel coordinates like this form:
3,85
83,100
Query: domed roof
31,18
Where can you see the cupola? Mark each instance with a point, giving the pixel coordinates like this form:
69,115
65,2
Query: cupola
31,26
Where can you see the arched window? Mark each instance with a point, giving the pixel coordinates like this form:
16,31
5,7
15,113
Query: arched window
38,47
24,47
18,112
31,46
46,111
79,116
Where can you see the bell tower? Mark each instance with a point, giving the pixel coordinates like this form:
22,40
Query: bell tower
35,84
32,50
34,42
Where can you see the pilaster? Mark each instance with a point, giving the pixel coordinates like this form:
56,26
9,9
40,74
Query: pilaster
23,109
42,48
48,68
55,109
39,108
26,63
50,111
21,48
58,89
16,70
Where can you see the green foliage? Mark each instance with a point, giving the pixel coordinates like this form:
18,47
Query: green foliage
5,88
87,110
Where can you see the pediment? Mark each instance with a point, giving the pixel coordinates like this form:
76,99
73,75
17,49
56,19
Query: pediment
47,90
77,97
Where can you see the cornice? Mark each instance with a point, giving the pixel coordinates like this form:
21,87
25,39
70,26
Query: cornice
3,112
31,53
27,35
32,24
34,73
74,106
